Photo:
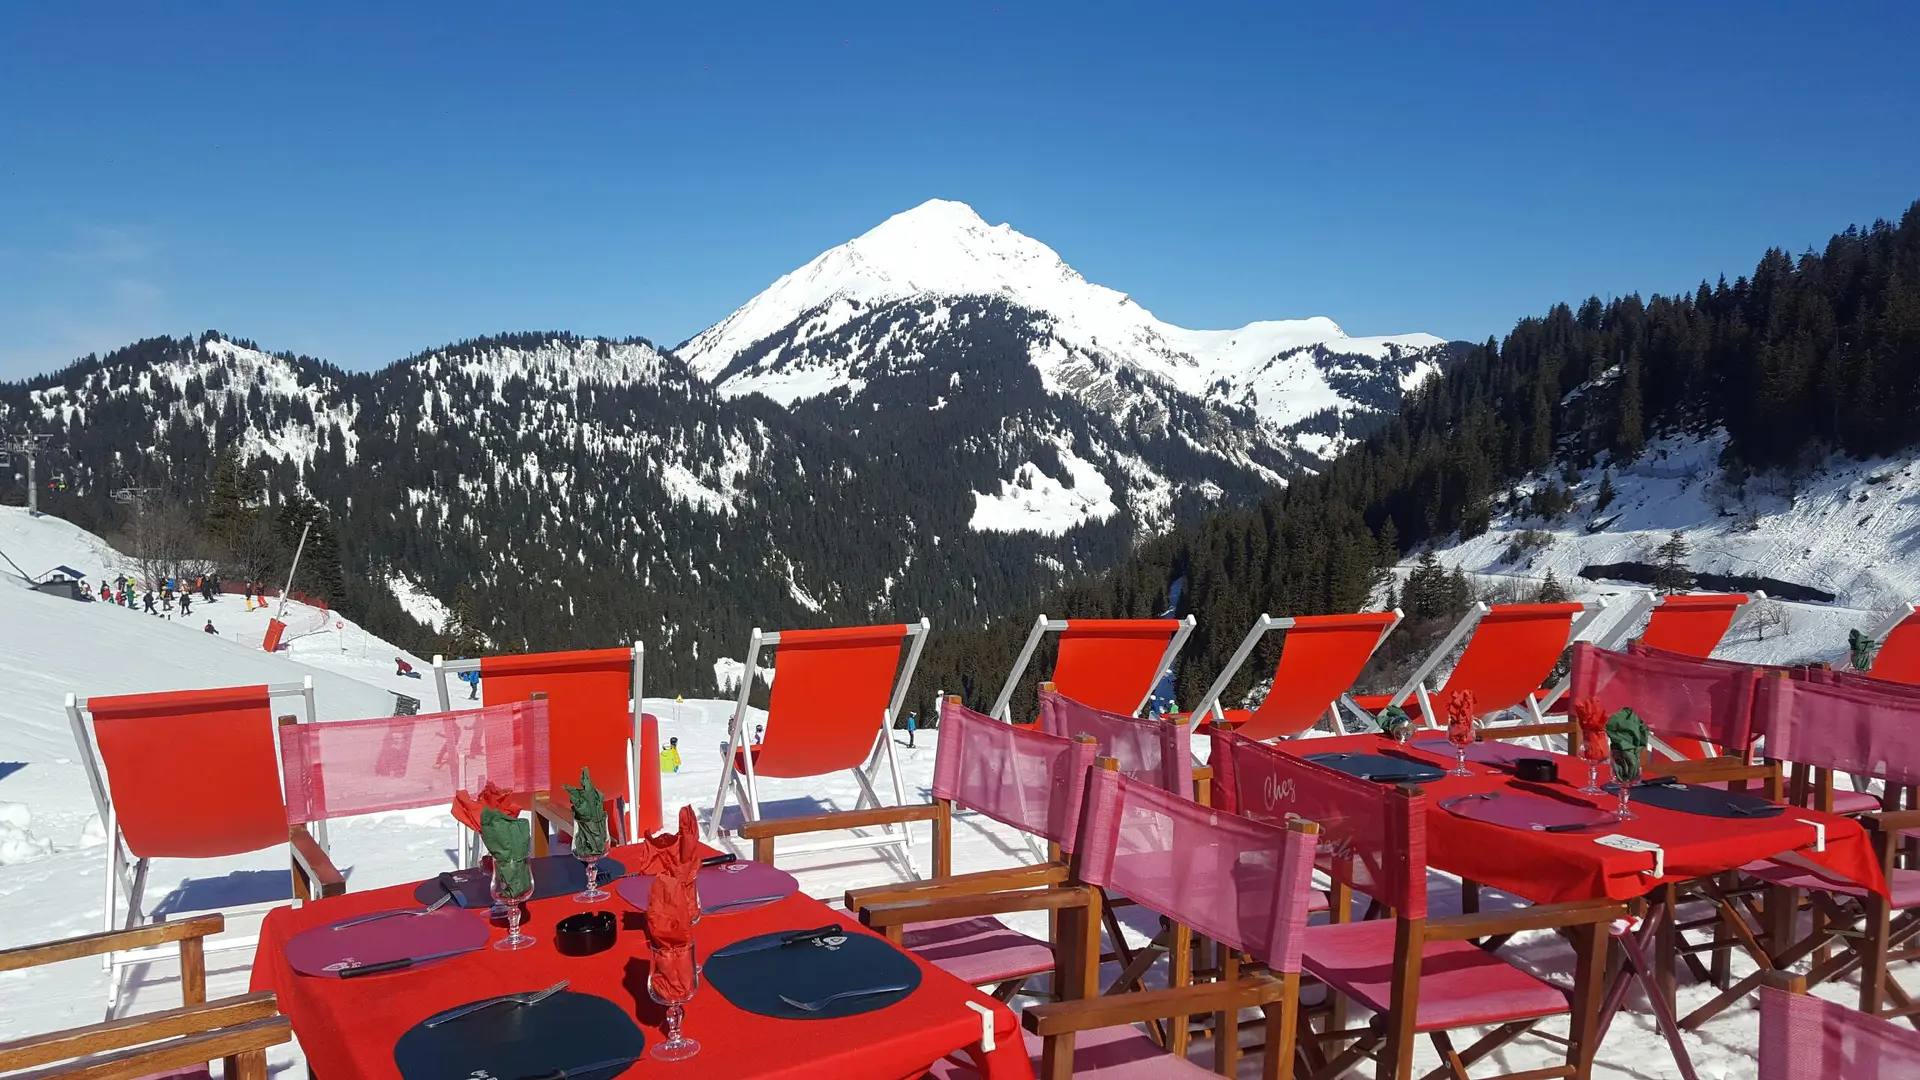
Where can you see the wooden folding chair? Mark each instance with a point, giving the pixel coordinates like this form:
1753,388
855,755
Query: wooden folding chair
835,694
1321,658
1418,975
593,696
1110,664
176,1042
189,774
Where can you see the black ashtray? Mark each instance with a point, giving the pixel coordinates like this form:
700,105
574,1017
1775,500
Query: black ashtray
1537,769
587,933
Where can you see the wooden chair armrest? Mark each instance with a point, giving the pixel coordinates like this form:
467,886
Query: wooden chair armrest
1522,731
559,813
73,948
1538,917
834,820
1783,980
253,1037
1890,820
906,913
134,1030
311,860
959,885
1710,770
1088,1014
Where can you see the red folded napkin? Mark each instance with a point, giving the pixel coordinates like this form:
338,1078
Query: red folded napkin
1592,718
674,861
467,808
1460,714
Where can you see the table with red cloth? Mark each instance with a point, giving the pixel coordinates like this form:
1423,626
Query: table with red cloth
1550,867
348,1027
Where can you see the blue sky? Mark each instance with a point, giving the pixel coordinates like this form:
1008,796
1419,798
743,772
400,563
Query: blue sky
359,184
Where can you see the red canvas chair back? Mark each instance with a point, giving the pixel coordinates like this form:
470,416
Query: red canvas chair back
1805,1038
1858,681
193,774
1320,659
1843,728
588,700
1636,648
1513,649
831,692
1898,659
1157,752
1679,698
1111,663
1692,625
1017,776
1372,837
1233,879
402,762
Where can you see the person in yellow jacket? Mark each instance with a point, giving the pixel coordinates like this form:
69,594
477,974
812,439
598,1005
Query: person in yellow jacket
670,757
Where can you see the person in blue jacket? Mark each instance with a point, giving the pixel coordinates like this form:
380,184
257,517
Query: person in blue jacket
472,679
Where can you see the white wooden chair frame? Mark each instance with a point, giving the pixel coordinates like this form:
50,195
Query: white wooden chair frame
1535,703
1264,625
1043,626
744,788
467,841
128,873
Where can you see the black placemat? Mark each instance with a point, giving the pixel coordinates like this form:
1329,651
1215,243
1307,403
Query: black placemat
810,971
1379,768
553,875
1705,801
508,1041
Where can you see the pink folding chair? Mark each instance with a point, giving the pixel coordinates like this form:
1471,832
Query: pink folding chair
1157,752
1508,659
1419,974
1691,707
1028,779
1898,658
1321,658
1110,664
1805,1038
1242,883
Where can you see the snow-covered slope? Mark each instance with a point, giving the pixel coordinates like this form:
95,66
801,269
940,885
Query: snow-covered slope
1283,370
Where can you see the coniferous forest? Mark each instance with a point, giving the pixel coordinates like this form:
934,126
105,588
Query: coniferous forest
1806,356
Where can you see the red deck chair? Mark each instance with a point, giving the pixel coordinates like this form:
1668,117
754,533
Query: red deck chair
1420,975
1241,882
1018,776
1319,661
189,774
1805,1038
1695,709
1110,664
593,698
835,694
1690,623
1898,659
1513,650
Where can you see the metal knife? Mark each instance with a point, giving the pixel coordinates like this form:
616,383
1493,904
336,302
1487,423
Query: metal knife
742,902
781,942
403,962
567,1074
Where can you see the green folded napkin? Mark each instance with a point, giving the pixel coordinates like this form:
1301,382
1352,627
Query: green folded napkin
1629,737
1860,650
508,840
589,816
1392,720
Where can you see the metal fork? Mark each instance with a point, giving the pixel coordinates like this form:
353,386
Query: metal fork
532,997
816,1006
445,898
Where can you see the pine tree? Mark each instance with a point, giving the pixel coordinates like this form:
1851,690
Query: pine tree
230,499
1629,435
1604,498
1671,574
1426,591
1459,593
461,635
1551,591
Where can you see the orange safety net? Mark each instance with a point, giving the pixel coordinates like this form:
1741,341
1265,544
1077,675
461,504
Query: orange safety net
1899,657
588,722
193,774
1692,624
831,691
1512,652
1319,660
1110,663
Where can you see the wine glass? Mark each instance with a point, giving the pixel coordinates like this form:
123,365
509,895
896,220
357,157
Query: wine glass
677,1047
590,853
1594,749
1624,785
502,893
1460,734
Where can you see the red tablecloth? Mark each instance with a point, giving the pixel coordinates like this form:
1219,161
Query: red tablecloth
1550,867
348,1028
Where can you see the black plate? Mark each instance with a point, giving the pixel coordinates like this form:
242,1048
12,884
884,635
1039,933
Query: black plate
1379,768
553,875
566,1031
1705,801
810,971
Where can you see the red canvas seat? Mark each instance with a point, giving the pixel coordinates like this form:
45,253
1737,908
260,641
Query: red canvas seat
1805,1038
1461,984
1110,664
1320,659
835,694
981,951
1693,624
1112,1053
1898,658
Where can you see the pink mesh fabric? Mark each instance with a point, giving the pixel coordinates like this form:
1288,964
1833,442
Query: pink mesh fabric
1233,879
402,762
1679,698
1805,1038
1028,779
1870,683
1152,751
1373,838
1864,732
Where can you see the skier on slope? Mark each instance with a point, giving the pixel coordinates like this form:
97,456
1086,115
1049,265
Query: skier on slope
186,603
149,602
209,628
670,757
913,721
472,679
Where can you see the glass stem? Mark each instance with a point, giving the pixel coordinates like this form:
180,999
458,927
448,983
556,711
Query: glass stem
513,920
1461,751
1593,776
593,871
675,1014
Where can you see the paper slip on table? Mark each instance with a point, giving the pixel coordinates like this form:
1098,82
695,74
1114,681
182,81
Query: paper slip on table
348,1028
